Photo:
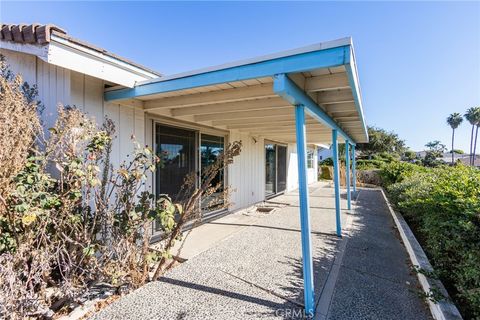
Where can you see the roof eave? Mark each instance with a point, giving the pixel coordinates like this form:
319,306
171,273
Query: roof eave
254,68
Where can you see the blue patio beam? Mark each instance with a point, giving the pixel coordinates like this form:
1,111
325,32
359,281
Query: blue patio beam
347,174
354,169
288,90
308,288
336,182
289,64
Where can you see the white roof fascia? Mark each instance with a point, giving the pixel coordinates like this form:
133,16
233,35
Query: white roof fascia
40,51
63,53
69,55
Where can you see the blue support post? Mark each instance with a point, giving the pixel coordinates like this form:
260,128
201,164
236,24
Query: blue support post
336,181
304,209
347,174
354,169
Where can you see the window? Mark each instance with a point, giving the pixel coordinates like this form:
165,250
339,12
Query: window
310,159
210,148
183,152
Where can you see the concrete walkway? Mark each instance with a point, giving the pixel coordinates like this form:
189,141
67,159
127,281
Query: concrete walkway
247,265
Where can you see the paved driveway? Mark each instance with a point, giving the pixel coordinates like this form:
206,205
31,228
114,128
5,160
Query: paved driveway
248,266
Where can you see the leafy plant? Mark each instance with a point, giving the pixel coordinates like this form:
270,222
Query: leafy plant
380,141
442,205
70,220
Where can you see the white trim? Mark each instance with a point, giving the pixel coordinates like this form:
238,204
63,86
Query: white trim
36,50
107,58
63,53
71,58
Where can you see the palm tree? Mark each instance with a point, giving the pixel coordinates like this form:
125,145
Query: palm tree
477,123
454,120
472,115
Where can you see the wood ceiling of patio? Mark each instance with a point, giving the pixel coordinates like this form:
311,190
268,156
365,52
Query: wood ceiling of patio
251,106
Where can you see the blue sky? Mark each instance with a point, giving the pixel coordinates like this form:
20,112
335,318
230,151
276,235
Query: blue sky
418,61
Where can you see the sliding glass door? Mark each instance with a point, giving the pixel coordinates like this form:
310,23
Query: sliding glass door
281,168
183,152
275,169
176,149
270,169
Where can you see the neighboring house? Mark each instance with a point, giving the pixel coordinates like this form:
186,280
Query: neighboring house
447,157
466,160
324,152
186,115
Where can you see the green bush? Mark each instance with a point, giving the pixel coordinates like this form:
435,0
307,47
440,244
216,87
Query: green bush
326,162
442,205
396,171
369,164
386,157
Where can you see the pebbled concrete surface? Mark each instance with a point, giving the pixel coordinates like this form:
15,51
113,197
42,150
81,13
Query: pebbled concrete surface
255,272
375,280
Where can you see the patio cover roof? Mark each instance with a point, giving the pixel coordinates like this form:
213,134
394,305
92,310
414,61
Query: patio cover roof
256,95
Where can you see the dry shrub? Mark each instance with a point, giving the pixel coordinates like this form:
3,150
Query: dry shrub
69,220
19,128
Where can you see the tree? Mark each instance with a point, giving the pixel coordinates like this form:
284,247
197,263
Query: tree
454,120
473,117
409,155
382,141
436,148
477,123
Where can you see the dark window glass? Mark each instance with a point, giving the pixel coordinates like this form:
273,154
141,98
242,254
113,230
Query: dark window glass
270,169
282,168
176,149
210,148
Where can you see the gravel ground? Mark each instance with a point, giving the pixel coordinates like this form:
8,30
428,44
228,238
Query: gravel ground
256,272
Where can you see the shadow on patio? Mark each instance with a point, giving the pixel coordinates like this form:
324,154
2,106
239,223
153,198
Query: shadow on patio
255,269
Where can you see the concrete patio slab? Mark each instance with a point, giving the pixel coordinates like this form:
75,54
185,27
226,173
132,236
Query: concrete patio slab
252,269
375,280
207,235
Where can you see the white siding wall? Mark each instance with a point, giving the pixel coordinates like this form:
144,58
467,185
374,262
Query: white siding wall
246,176
292,172
57,85
53,82
313,173
87,94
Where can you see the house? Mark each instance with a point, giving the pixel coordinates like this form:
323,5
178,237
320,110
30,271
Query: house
281,106
324,152
69,71
466,160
